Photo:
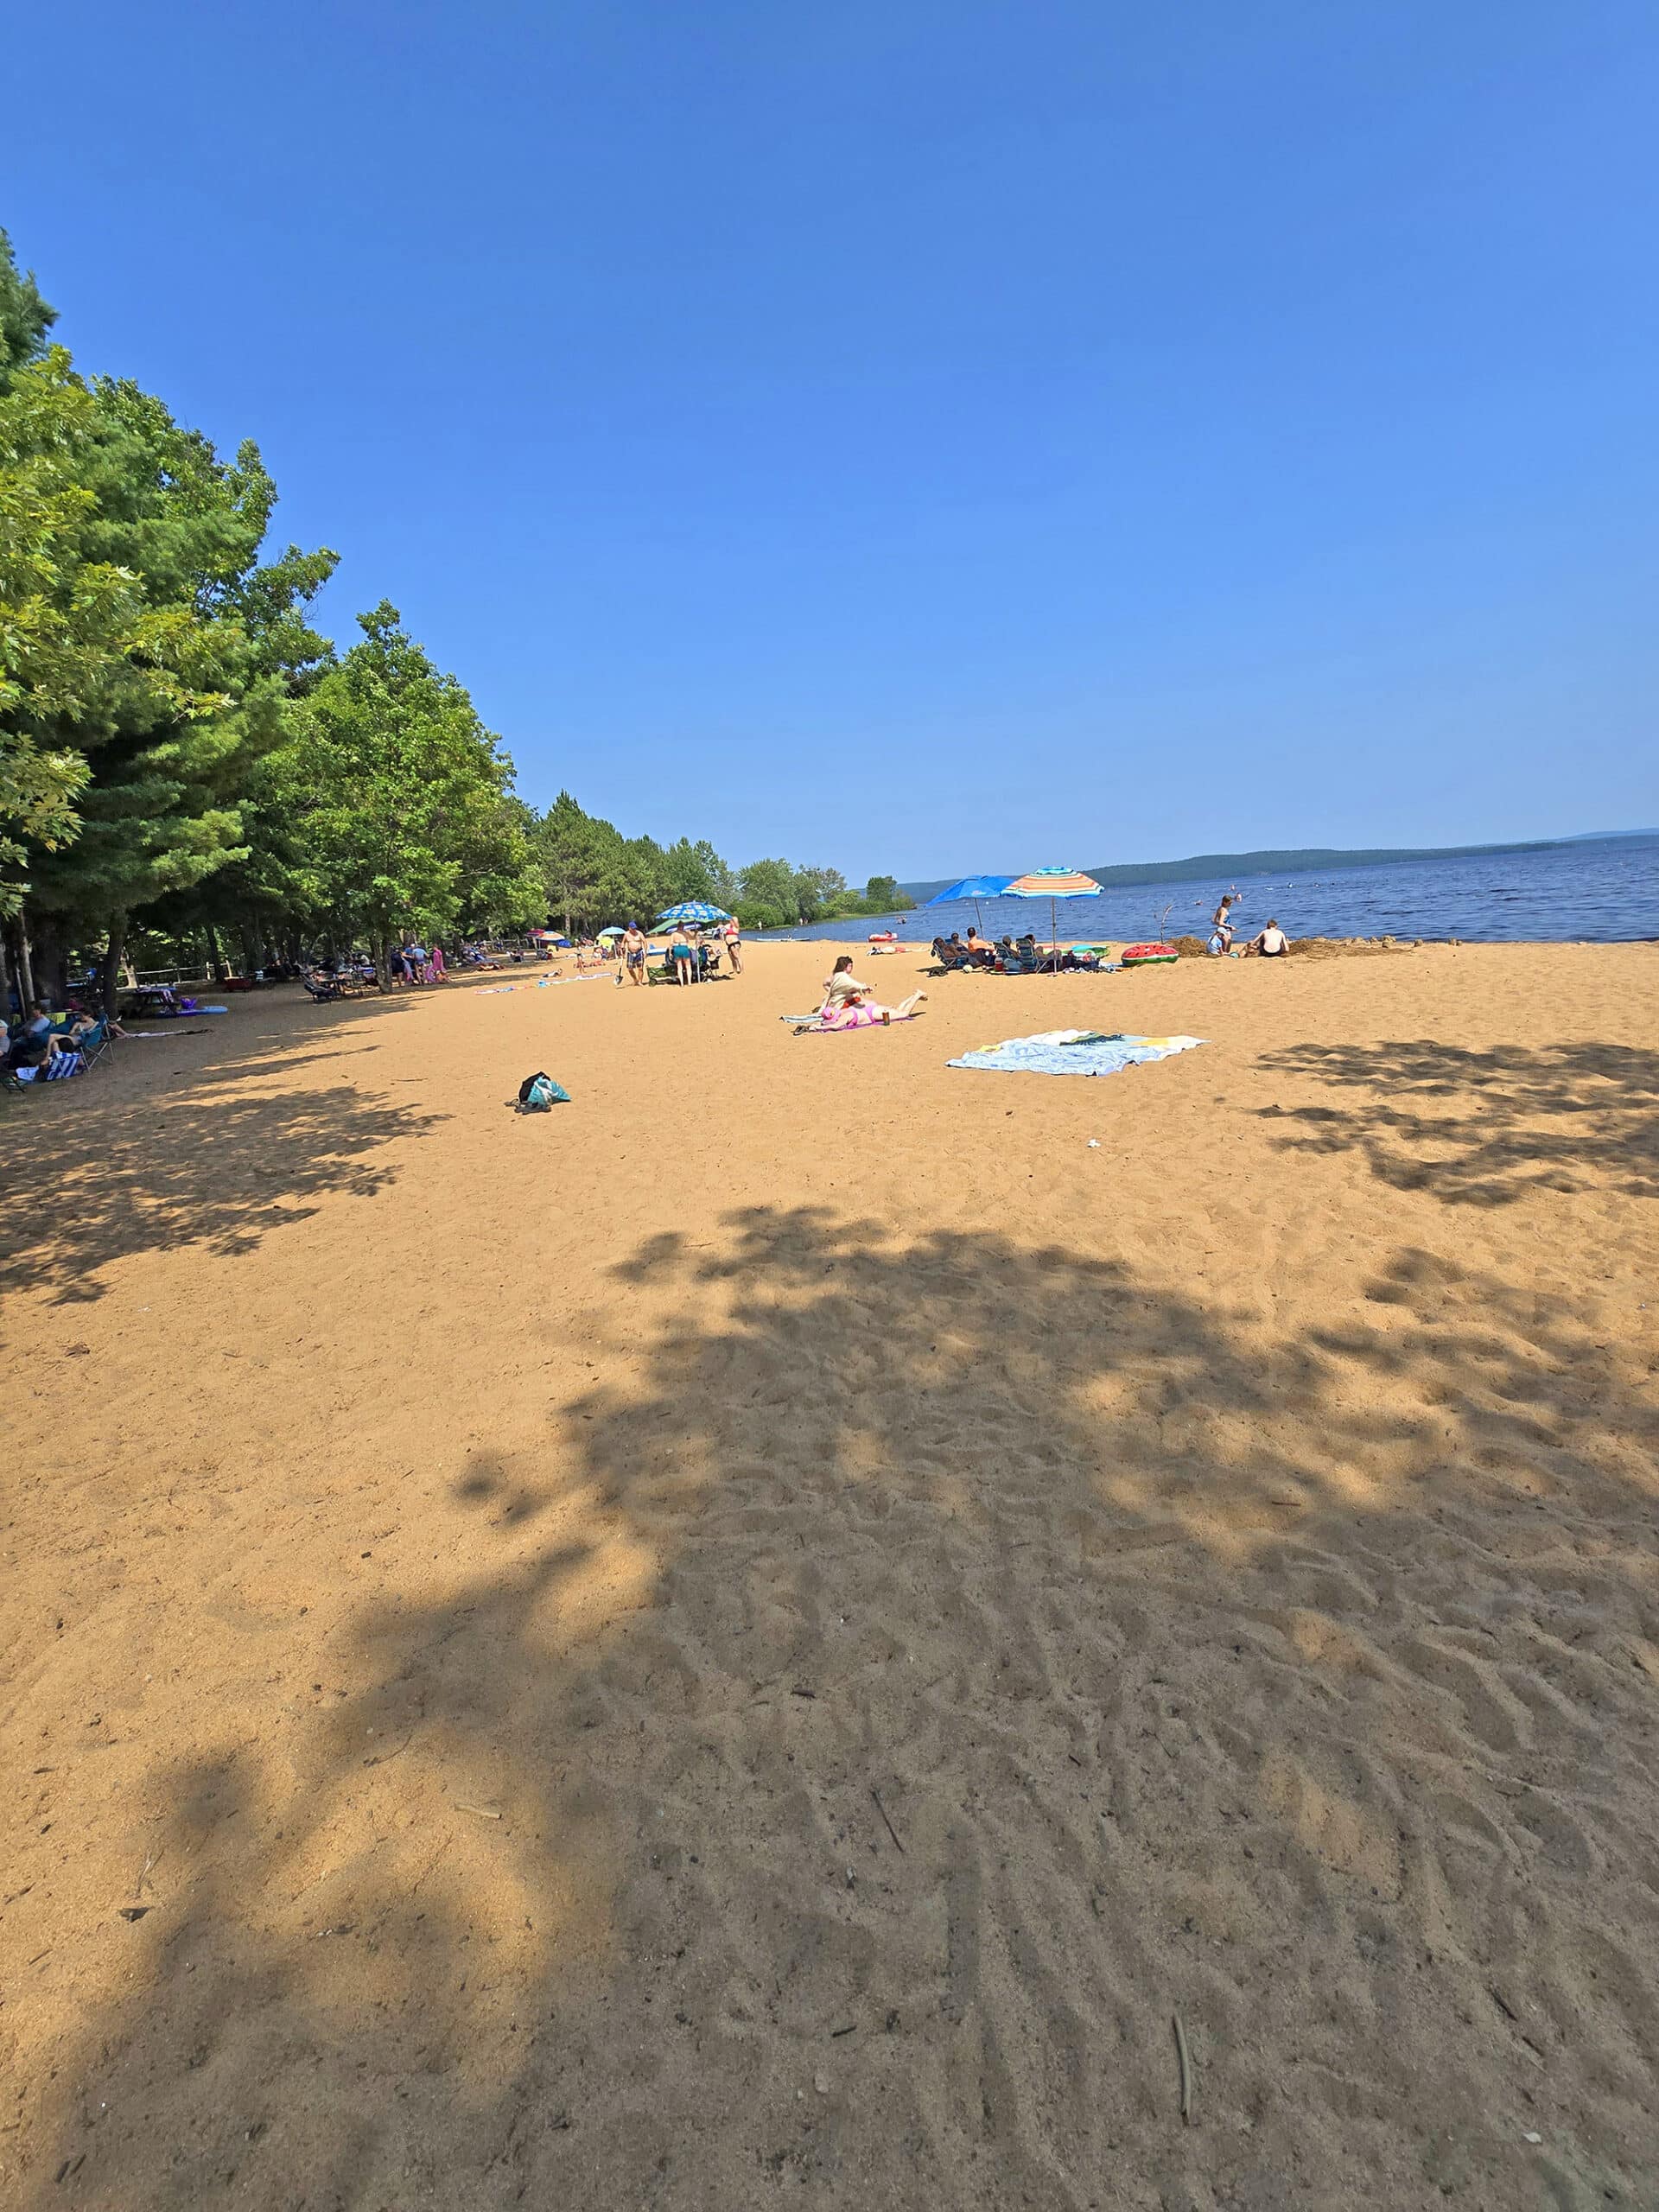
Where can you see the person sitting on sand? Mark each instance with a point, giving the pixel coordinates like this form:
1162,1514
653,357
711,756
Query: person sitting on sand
849,1004
1271,944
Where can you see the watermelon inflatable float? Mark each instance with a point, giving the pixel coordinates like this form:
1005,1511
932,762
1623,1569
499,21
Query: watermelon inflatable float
1147,956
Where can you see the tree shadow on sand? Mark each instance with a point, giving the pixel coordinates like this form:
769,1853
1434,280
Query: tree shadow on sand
112,1168
839,1753
1516,1118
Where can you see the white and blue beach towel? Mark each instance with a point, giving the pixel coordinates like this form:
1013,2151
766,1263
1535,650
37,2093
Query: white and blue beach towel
1074,1052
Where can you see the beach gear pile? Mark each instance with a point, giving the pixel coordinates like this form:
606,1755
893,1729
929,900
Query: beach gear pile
539,1094
1074,1052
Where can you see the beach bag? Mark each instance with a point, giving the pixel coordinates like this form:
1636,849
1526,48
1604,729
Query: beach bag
539,1094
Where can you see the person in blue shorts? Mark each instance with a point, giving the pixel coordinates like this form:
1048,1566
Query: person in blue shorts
634,952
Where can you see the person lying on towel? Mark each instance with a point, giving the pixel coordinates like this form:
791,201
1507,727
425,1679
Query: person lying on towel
849,1004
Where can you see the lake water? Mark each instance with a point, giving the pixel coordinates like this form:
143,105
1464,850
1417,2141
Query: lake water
1602,891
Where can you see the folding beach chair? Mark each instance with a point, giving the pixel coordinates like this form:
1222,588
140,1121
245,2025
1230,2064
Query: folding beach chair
97,1045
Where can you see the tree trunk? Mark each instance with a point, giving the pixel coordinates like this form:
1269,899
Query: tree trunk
382,961
255,952
49,959
111,979
216,967
5,980
25,965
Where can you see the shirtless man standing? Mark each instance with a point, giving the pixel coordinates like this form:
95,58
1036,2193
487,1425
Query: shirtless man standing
634,952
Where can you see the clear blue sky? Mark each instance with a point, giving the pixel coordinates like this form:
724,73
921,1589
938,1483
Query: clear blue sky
929,434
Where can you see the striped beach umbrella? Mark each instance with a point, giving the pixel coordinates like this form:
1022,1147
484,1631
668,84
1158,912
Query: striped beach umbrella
1052,883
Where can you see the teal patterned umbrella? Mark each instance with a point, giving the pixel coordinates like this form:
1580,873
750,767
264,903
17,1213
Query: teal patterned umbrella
694,910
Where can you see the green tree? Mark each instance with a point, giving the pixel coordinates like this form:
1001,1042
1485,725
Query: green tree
198,650
570,850
815,887
632,884
84,646
40,636
25,318
883,896
697,872
500,885
771,884
399,797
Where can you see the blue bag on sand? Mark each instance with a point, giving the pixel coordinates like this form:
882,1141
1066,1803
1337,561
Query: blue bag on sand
539,1093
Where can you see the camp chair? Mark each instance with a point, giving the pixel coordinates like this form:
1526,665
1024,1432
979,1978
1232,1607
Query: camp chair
97,1045
323,993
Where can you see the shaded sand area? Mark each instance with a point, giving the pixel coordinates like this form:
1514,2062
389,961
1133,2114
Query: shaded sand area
759,1638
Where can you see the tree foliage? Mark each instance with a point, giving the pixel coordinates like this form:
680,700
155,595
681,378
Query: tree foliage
181,752
396,802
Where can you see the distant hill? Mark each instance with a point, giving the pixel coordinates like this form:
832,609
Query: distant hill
1199,867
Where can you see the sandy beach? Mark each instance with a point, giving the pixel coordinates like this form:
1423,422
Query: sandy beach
761,1637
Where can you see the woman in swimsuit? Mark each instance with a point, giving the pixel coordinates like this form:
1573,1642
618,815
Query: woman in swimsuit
849,1004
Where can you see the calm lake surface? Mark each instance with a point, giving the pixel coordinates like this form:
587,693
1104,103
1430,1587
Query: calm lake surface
1604,892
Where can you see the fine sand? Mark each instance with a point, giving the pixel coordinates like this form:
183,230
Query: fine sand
759,1638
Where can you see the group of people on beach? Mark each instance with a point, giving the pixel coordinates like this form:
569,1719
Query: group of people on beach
1009,955
414,963
690,959
1268,943
37,1037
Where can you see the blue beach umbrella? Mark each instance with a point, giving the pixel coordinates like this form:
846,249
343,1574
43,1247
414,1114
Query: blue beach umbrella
694,910
974,887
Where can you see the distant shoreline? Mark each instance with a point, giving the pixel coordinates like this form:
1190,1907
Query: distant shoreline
1200,866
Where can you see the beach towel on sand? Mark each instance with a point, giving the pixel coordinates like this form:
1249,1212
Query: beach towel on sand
846,1023
1074,1052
